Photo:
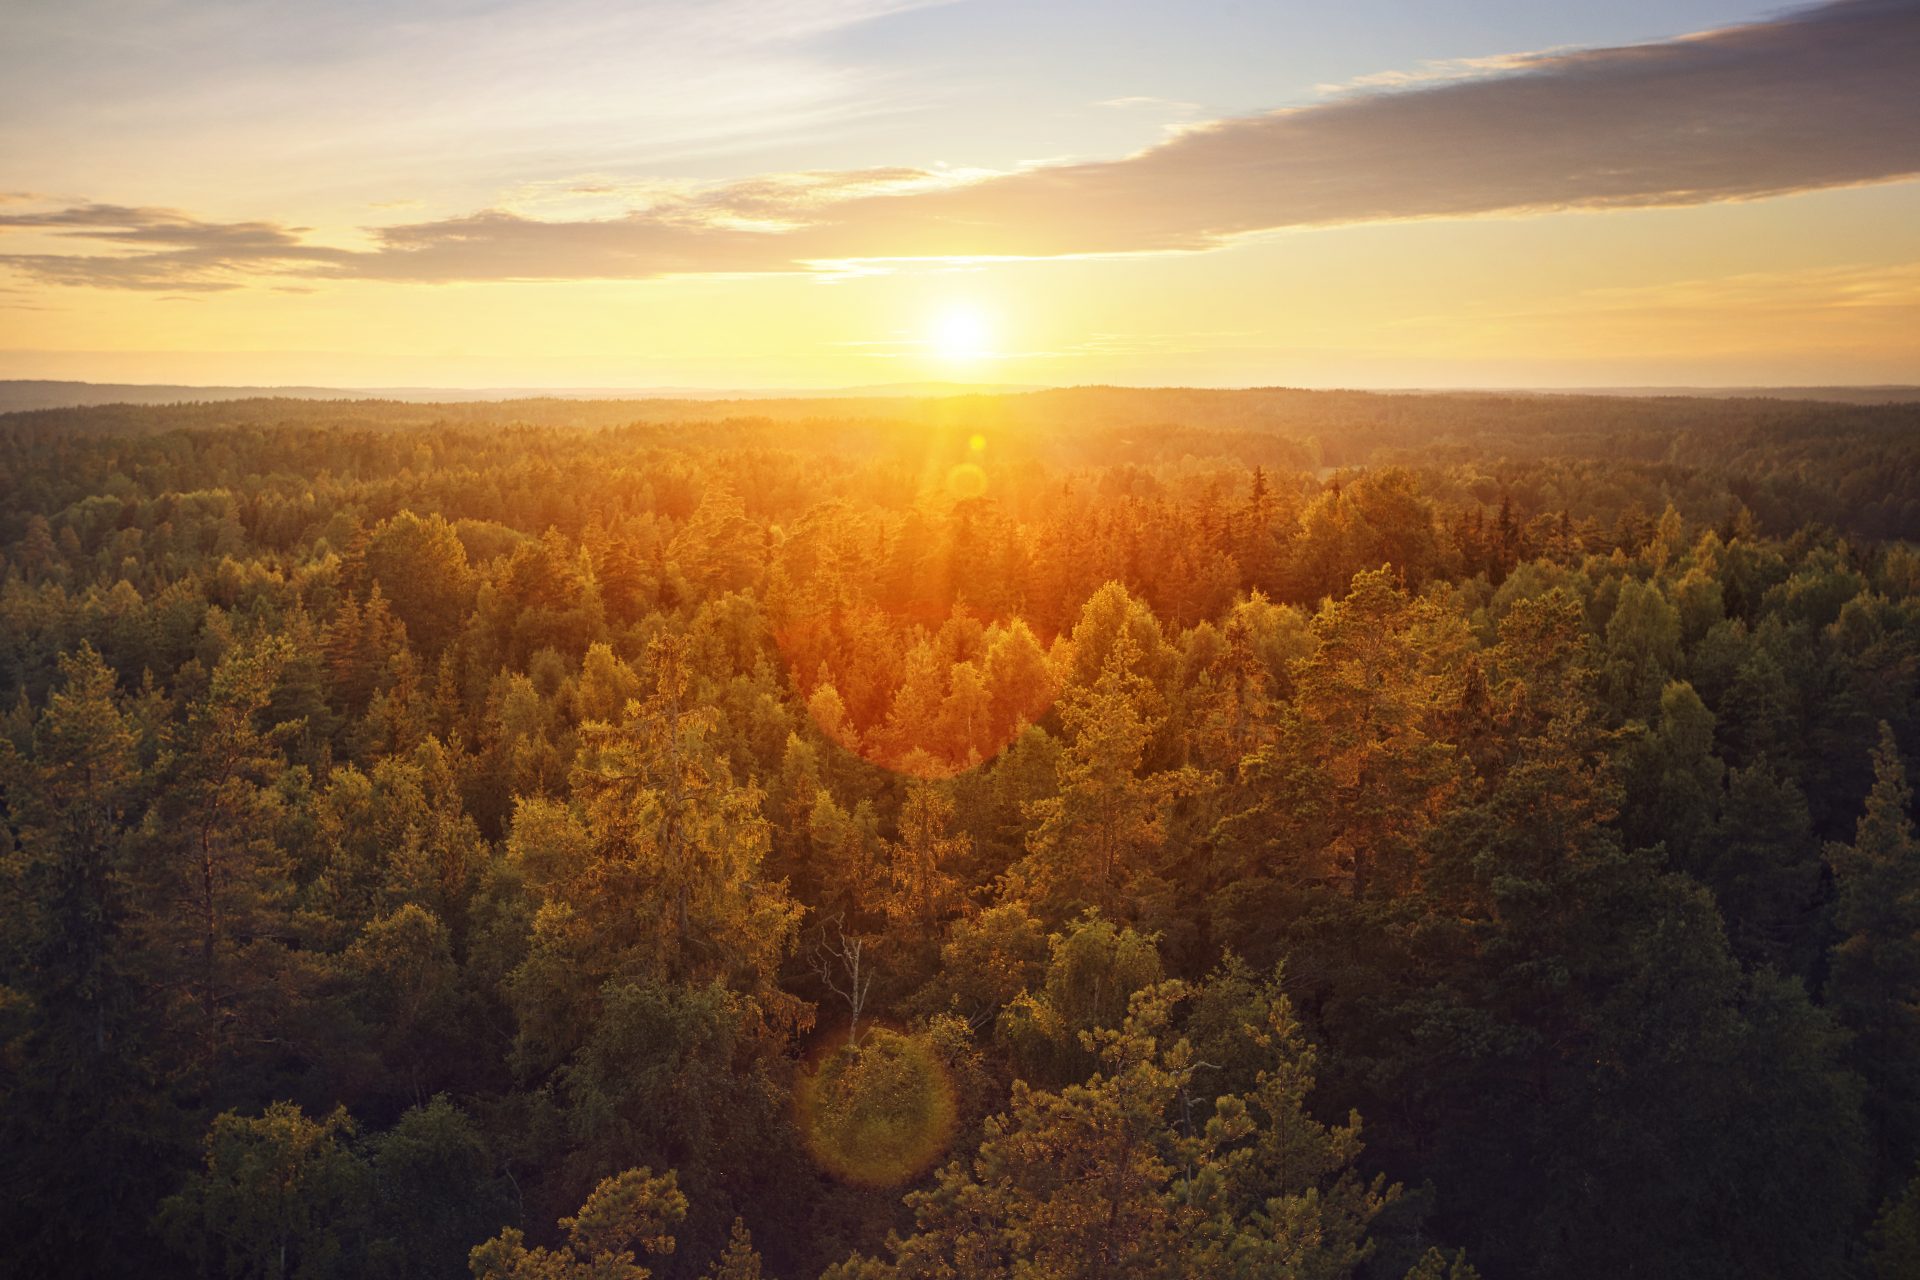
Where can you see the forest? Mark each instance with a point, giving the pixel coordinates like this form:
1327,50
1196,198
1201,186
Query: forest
1071,834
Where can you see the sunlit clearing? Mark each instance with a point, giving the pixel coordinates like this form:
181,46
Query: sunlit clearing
961,333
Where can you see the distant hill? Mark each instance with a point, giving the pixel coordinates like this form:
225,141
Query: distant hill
20,394
1886,394
16,395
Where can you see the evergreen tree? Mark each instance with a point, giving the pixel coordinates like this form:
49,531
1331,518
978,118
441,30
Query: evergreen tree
630,1211
924,889
282,1197
81,1119
1132,1174
215,873
1874,978
661,874
1093,841
740,1260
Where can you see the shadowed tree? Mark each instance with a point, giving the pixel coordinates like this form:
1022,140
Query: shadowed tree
419,562
281,1197
1874,978
216,875
78,1111
630,1211
740,1260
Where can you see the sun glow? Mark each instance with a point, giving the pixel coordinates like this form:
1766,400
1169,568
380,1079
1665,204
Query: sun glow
960,334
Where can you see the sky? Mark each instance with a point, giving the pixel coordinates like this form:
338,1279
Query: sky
785,194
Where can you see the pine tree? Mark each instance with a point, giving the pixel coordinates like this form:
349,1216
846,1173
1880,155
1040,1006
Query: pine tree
739,1261
662,878
1136,1173
70,802
282,1195
1361,758
216,877
1874,980
1106,824
79,1110
923,889
1893,1245
630,1211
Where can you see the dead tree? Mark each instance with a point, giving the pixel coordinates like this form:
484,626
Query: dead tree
843,968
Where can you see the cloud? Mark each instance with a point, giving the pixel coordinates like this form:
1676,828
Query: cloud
1435,71
1132,101
1858,312
162,249
1819,98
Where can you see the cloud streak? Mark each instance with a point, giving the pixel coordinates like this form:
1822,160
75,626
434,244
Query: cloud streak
1819,98
160,249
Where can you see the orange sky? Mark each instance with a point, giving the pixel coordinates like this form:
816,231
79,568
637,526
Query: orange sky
759,193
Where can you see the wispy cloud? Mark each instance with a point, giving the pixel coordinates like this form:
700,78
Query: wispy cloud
1441,70
358,101
1816,291
1138,101
1849,310
1815,99
161,249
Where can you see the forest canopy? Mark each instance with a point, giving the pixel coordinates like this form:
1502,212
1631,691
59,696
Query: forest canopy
1086,833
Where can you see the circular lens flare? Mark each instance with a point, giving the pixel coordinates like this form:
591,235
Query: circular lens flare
966,481
879,1112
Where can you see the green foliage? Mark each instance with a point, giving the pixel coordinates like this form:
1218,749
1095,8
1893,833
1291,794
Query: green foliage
1095,842
923,891
279,1198
668,1070
739,1261
421,566
434,1192
1437,1265
675,836
474,775
634,1210
990,959
69,802
1133,1174
1642,648
1874,978
77,1106
877,1111
1894,1243
1092,973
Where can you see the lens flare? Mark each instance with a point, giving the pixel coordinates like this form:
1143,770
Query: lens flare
966,481
879,1112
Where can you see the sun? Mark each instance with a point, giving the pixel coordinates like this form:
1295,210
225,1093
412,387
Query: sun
960,334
